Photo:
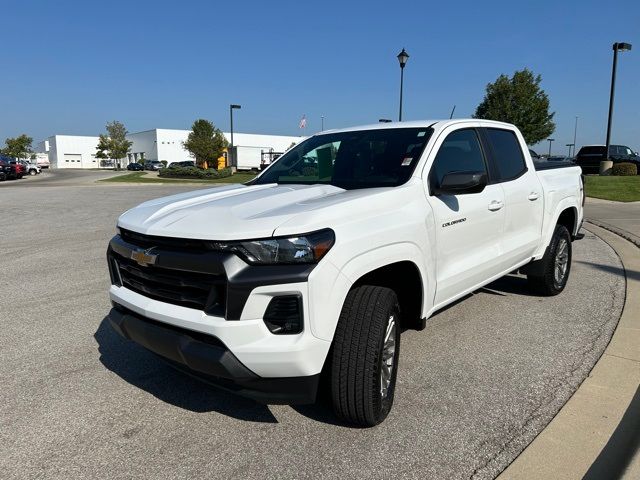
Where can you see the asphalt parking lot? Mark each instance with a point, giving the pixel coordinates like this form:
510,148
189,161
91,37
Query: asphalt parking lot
77,401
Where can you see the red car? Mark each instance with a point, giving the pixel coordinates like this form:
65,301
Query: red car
20,169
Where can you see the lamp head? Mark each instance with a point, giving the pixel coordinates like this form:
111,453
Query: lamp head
403,56
621,46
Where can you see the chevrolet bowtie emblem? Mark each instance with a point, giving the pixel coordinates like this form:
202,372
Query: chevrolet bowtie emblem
144,258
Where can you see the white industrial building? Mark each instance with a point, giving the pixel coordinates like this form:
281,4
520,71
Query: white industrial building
74,151
70,151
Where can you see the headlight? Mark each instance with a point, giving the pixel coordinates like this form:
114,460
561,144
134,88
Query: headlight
307,248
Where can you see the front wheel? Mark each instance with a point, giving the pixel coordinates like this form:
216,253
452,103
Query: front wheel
365,356
556,264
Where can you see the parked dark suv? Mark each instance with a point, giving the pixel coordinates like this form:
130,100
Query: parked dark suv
9,167
186,163
590,156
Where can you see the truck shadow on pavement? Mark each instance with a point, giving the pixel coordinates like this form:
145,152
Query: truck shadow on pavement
150,373
509,284
620,271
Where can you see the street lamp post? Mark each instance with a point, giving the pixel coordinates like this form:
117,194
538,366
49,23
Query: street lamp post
569,145
322,123
550,140
403,56
232,156
617,47
575,133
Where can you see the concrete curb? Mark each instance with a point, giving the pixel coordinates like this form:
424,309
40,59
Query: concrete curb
618,231
594,435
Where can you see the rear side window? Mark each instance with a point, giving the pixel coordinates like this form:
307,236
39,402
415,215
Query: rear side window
460,152
507,153
591,151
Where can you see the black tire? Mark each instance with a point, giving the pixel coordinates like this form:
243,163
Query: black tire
32,172
356,368
551,281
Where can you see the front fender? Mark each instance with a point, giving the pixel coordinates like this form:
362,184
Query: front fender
328,302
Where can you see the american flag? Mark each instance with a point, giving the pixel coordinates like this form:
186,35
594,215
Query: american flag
303,121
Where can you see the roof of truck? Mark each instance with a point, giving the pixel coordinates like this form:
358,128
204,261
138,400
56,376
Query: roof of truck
438,123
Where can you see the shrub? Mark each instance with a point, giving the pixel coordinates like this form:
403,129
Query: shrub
624,169
194,172
164,163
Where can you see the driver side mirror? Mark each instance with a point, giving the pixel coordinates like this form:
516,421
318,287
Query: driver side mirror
460,183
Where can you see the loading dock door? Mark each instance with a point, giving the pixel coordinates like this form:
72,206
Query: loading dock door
72,160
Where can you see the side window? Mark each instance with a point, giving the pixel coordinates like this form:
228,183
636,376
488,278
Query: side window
460,152
507,153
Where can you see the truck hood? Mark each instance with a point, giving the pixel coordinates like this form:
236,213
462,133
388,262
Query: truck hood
227,213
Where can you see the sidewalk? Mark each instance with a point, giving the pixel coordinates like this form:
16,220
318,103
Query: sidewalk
622,218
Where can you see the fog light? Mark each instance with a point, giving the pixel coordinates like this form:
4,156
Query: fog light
284,315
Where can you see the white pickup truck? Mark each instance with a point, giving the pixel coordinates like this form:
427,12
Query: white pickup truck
316,265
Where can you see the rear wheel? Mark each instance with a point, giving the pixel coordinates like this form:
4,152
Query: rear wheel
556,264
32,172
365,356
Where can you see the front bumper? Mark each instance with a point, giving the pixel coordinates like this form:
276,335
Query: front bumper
208,359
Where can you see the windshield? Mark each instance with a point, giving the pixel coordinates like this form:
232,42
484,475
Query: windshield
358,159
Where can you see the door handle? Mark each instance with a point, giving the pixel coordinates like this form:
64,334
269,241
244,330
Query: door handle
533,196
495,205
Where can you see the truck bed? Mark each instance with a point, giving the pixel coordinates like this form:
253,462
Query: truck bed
546,165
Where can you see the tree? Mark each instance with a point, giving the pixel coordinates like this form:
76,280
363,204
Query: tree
18,147
205,142
114,145
521,101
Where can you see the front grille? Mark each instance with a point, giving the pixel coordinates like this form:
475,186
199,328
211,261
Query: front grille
202,291
165,243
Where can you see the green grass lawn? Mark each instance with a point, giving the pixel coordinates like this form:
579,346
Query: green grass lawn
621,189
140,177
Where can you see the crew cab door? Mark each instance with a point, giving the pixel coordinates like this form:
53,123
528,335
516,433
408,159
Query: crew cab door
523,195
468,226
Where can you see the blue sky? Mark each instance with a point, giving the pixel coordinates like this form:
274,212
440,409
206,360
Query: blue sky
69,67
